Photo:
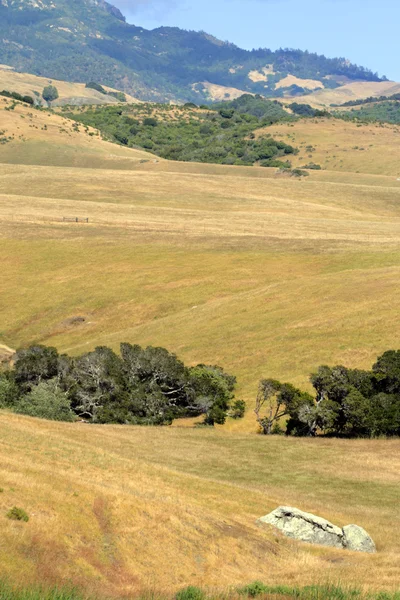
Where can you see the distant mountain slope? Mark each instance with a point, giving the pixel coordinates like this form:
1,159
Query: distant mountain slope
82,40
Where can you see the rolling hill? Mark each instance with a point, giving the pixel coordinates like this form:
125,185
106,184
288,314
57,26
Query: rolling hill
237,266
351,91
86,40
132,512
75,94
264,274
38,137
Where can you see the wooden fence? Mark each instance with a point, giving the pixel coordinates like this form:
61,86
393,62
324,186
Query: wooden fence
75,220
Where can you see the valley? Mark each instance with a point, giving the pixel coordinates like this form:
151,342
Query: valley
260,234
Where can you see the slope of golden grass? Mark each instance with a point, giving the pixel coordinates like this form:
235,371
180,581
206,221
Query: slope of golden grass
120,509
218,93
342,146
266,276
351,91
69,93
310,84
30,136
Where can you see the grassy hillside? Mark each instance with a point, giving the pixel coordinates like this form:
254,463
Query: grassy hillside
69,93
122,510
238,266
263,274
31,136
353,90
342,146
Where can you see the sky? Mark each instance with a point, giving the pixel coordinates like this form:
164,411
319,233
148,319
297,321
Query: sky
364,31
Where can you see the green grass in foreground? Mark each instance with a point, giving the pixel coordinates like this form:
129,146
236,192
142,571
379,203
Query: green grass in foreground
255,589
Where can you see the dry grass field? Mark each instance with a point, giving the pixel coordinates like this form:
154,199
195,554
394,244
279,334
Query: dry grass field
69,93
30,136
354,90
264,275
342,146
118,510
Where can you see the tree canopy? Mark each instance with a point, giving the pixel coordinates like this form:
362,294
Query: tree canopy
149,386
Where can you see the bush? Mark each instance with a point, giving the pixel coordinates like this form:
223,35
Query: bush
253,589
16,96
312,167
118,95
190,593
17,514
96,86
299,173
150,122
46,401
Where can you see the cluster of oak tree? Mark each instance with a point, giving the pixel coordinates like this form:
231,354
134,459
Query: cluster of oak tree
147,386
346,403
151,386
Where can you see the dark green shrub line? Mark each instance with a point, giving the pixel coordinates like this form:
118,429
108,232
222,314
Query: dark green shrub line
148,386
383,112
16,96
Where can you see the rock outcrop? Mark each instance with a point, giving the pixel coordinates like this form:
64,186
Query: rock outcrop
299,525
357,539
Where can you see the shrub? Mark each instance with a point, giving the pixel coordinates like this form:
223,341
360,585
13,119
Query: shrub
17,514
190,593
253,589
46,401
96,86
299,173
150,122
227,113
312,166
118,95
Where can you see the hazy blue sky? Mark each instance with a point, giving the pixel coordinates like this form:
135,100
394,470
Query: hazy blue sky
365,31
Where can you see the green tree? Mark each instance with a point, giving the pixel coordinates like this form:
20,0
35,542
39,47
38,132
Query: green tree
9,391
34,364
50,93
213,390
276,400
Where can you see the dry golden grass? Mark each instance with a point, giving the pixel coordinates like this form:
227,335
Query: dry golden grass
264,275
310,84
267,276
342,146
354,90
40,137
69,93
220,92
121,509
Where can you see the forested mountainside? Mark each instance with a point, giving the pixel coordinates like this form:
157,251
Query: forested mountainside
85,40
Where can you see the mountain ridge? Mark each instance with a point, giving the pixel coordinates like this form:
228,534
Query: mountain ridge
85,40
